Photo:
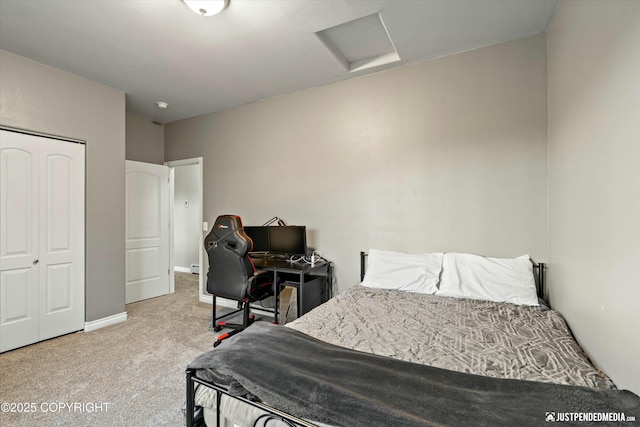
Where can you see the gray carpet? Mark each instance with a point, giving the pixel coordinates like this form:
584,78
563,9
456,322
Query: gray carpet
135,369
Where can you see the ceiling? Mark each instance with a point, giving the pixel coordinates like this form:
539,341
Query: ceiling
159,50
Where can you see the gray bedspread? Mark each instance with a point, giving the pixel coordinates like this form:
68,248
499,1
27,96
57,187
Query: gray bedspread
477,337
312,379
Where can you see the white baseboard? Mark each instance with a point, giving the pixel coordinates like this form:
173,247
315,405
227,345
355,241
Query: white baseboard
228,303
219,301
105,321
182,269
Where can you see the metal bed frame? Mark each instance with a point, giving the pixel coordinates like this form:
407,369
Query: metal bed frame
273,413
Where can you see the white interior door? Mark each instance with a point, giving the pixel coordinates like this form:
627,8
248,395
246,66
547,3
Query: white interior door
41,238
18,241
61,235
147,231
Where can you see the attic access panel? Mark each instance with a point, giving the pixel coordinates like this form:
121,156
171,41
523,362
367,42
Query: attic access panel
360,44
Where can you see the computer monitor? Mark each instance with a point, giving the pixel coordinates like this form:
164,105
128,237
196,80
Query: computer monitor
288,239
260,237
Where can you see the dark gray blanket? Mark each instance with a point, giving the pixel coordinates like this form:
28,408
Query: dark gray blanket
314,380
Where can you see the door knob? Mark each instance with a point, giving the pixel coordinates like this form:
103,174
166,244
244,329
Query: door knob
35,261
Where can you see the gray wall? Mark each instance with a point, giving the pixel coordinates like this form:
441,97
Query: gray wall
446,155
594,180
186,224
43,99
144,139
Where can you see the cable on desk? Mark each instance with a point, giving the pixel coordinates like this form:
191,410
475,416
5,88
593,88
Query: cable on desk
315,257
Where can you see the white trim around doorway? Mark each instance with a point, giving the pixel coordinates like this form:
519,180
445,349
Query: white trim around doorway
193,161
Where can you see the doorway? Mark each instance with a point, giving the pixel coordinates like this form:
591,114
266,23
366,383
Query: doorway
187,239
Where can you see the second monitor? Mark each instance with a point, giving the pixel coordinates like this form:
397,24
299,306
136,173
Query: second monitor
282,240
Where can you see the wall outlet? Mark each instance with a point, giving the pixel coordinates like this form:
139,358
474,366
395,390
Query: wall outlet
205,226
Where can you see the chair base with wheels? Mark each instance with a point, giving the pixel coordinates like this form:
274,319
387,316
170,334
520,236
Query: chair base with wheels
263,290
247,319
219,324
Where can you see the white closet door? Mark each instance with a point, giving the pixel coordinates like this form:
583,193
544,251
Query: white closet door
18,240
41,238
61,278
147,231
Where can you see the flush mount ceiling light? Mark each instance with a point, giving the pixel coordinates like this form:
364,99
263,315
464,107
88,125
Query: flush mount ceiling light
207,7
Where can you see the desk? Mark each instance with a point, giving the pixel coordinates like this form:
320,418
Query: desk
310,281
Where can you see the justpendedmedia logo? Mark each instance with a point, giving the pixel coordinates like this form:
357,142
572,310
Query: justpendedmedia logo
590,417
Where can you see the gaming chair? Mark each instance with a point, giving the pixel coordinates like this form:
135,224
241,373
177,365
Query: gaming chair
231,274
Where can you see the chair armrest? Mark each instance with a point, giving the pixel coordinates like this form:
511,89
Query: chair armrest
260,273
253,284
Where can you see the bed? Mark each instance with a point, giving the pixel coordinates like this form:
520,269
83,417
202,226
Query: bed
425,339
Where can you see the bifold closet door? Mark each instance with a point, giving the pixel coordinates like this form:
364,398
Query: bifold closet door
41,238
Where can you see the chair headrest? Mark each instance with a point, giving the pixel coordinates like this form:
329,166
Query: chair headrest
228,232
227,223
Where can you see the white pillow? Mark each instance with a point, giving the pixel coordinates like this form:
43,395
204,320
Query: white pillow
402,271
492,279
